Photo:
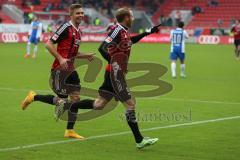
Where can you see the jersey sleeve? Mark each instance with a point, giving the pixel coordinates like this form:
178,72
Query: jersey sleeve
60,34
171,34
112,38
39,32
185,34
138,37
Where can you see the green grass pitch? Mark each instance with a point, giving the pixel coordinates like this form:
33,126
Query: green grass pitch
210,92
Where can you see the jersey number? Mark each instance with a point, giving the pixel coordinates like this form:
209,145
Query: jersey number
177,38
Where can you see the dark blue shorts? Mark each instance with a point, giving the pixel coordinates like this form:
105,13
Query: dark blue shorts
177,55
33,40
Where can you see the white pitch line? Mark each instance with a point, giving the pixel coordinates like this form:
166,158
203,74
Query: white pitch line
161,98
199,101
24,90
117,134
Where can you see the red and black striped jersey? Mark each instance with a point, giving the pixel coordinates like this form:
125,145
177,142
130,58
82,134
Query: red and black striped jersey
119,47
68,39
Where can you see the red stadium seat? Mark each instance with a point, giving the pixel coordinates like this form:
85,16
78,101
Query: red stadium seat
226,10
5,18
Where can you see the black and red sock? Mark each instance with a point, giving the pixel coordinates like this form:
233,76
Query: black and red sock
131,120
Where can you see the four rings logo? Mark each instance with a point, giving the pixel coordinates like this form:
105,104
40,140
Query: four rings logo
10,37
209,40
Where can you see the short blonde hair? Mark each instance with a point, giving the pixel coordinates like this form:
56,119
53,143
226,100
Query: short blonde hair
122,13
73,7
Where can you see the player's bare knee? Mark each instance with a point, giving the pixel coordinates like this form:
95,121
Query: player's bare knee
74,100
75,96
99,103
130,107
130,104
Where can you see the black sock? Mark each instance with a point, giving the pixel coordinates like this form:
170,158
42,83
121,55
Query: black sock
73,109
84,104
72,117
45,98
131,119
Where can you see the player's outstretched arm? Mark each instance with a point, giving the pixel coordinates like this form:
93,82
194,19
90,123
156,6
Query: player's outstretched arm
152,30
138,37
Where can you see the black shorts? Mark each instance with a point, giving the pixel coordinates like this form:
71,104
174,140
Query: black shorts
64,82
114,88
237,42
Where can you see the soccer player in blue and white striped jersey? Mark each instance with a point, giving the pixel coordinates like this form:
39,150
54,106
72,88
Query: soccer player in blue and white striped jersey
178,37
34,35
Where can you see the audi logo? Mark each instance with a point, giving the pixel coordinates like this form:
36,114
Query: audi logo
209,40
10,37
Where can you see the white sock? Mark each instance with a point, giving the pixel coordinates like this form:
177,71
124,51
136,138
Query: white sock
182,67
28,48
35,50
173,69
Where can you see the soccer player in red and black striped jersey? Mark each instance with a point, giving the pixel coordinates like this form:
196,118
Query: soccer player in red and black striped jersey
63,74
236,32
116,50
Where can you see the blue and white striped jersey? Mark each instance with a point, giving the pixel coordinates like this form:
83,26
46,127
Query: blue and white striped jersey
178,37
35,30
